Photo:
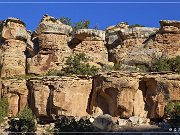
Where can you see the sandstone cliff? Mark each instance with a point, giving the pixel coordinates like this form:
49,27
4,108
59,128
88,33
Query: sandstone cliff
120,94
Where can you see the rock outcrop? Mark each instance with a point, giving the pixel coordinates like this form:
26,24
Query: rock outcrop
51,96
126,44
166,39
117,94
92,43
158,90
51,41
13,45
16,92
120,94
134,94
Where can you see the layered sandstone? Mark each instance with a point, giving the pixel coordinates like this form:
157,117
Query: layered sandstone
126,44
13,45
117,94
51,96
16,92
92,43
166,39
51,41
134,94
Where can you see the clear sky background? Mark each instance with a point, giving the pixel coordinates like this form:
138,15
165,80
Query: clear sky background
100,14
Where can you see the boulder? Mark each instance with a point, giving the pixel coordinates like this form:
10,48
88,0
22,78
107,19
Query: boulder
103,123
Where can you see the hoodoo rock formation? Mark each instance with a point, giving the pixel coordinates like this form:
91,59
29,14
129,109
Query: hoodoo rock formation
51,41
13,45
117,93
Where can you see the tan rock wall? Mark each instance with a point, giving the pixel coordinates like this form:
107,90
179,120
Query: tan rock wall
118,93
59,96
143,95
94,49
92,43
17,93
12,58
53,52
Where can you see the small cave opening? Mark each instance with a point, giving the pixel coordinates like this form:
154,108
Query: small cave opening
102,104
149,88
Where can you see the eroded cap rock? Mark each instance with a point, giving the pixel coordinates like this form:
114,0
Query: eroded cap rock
50,24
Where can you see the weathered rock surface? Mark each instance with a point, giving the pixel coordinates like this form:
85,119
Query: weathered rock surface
120,94
50,24
14,28
13,46
117,94
126,44
134,94
51,39
52,54
166,39
16,92
59,95
92,43
12,58
158,90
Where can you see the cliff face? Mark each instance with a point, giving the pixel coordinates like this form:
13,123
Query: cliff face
51,96
121,94
134,94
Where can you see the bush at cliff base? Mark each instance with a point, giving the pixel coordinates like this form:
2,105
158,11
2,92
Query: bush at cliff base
66,125
3,109
172,111
24,122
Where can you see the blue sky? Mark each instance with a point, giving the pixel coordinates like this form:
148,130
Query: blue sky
103,15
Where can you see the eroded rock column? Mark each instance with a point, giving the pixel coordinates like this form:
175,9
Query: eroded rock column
13,46
51,41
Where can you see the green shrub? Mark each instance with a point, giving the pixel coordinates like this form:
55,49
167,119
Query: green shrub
84,24
65,20
77,64
164,64
172,110
65,125
106,67
117,66
3,108
143,68
160,64
136,25
24,123
175,64
53,72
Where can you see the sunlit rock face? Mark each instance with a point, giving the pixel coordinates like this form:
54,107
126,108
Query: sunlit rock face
17,94
13,45
133,94
117,94
51,40
92,43
50,96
